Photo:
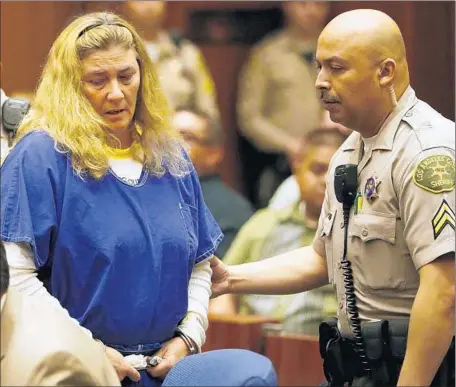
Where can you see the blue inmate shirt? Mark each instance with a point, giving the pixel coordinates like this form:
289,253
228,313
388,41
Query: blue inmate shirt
120,256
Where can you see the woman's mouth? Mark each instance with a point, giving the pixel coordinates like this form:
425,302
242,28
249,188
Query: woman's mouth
115,112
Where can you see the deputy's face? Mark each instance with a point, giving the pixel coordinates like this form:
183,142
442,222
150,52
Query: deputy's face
347,80
110,81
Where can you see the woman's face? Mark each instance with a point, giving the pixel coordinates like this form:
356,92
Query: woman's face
110,81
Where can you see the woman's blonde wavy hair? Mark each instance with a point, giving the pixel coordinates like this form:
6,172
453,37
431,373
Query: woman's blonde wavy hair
61,109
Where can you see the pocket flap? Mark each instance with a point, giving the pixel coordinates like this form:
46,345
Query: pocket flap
370,227
374,334
328,223
398,332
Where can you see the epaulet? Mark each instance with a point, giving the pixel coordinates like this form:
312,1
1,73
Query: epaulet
430,127
416,119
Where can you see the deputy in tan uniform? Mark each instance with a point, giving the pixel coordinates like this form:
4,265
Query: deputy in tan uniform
183,73
401,240
41,347
277,103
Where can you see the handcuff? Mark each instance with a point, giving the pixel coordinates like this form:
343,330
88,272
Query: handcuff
141,362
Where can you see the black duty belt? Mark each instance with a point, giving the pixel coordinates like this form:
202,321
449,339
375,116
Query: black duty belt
385,342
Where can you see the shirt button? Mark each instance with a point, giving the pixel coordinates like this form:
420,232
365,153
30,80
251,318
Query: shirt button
341,305
365,232
409,113
330,216
342,224
339,265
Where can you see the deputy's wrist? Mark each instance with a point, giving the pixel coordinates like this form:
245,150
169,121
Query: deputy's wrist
235,279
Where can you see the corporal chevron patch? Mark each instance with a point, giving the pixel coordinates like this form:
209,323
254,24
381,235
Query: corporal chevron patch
443,217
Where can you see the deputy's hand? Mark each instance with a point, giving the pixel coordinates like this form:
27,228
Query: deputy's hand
122,367
220,277
173,350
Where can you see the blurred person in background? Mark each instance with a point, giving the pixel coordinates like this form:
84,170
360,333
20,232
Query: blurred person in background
205,141
271,232
183,73
277,102
99,195
288,191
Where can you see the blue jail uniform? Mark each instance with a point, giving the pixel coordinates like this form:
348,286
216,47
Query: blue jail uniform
120,255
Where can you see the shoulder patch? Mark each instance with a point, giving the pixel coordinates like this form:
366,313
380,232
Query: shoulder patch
435,174
442,218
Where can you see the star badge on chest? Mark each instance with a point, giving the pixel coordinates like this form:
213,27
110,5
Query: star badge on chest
370,189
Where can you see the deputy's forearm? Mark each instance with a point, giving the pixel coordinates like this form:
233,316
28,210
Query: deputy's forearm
430,332
292,272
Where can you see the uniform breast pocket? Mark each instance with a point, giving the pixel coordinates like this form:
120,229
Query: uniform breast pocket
326,234
190,219
377,262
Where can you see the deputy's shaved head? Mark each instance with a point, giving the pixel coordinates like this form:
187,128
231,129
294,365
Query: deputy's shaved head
363,59
369,32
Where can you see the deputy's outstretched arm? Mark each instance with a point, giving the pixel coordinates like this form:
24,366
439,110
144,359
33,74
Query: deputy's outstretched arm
292,272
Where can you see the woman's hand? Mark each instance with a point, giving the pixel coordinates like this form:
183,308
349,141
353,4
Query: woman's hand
122,367
220,277
173,350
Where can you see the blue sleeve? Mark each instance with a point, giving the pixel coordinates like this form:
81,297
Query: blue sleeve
207,232
30,194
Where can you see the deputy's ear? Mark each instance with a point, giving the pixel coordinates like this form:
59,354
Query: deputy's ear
387,72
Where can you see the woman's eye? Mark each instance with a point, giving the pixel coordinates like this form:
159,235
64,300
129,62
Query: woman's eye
126,78
97,82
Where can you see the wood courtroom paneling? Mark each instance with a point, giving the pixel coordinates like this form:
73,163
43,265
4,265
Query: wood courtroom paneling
28,29
243,332
296,359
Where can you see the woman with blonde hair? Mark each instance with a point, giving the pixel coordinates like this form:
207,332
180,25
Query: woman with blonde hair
99,194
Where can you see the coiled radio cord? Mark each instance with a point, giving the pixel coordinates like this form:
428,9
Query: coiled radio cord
352,309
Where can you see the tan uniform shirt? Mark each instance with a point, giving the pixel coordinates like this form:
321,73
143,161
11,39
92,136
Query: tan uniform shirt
409,219
277,101
183,74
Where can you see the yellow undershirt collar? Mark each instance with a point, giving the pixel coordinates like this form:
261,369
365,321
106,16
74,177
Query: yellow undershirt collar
122,154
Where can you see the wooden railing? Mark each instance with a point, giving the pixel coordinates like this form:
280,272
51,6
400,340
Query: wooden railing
296,357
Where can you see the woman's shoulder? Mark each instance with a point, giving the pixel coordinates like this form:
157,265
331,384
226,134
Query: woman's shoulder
37,147
37,137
